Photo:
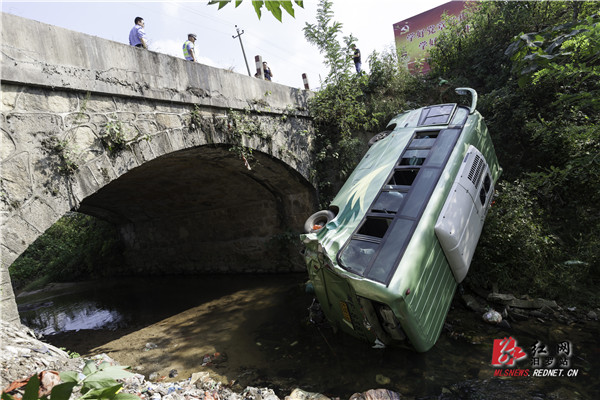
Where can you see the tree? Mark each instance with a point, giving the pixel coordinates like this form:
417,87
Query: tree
535,66
324,34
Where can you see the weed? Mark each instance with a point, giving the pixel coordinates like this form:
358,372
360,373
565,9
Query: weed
66,164
195,118
114,137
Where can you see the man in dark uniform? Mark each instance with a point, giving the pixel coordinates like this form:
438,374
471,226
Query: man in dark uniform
356,58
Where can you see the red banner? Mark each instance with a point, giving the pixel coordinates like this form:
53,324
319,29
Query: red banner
416,35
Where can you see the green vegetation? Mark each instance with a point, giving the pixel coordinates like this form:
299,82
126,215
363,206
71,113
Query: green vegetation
65,162
351,106
114,137
76,247
535,66
94,383
240,128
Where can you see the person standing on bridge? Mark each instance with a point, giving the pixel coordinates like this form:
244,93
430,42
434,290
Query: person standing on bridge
137,36
188,48
267,71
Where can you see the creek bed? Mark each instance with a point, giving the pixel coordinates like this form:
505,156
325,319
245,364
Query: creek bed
255,331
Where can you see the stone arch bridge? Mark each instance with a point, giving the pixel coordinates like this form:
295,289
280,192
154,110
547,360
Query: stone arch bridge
201,169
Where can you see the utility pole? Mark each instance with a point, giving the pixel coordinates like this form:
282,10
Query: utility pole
239,36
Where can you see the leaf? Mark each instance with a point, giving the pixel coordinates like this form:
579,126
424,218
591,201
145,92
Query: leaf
103,365
69,376
275,8
32,388
512,49
112,371
257,6
287,6
6,396
93,386
103,392
223,4
62,391
89,368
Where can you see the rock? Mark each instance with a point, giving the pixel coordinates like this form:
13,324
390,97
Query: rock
537,314
376,394
592,315
524,302
299,394
20,360
258,394
501,298
472,304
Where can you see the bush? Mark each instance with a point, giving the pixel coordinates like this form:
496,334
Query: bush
76,247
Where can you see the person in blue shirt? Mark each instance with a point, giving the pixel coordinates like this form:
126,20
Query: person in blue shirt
188,48
137,36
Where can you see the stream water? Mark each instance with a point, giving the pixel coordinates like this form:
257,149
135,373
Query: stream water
255,331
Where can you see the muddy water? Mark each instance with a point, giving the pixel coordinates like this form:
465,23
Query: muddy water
254,331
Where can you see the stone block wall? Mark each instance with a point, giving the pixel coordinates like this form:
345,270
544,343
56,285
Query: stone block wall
159,146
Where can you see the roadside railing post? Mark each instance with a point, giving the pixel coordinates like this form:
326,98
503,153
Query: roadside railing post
260,73
305,80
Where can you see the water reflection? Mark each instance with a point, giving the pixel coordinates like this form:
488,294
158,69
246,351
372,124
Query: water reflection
50,318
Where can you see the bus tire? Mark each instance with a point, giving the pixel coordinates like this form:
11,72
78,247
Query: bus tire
318,220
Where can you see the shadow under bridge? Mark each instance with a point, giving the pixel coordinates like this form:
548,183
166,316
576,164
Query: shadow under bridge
202,210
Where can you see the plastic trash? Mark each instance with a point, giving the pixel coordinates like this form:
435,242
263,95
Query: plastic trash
150,346
492,316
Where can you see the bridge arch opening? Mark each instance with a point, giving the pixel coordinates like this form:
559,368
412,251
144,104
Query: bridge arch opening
206,210
202,210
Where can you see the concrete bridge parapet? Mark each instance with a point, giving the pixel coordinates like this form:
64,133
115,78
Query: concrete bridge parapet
199,167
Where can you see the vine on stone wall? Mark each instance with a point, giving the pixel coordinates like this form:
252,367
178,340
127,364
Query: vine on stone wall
66,164
241,126
195,118
114,137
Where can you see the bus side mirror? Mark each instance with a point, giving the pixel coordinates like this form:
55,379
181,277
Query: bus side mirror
463,92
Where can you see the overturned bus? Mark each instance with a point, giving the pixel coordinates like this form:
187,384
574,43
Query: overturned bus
386,257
